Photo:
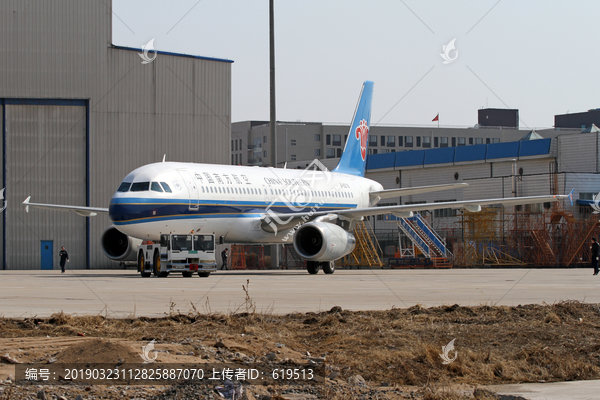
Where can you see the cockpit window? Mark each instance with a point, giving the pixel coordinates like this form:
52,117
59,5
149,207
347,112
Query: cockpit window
166,187
140,186
124,187
155,187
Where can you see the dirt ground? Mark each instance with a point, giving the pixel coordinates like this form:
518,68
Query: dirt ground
393,354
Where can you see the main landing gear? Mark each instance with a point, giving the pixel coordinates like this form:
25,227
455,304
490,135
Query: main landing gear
313,267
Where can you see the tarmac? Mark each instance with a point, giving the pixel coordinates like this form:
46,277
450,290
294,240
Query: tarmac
123,293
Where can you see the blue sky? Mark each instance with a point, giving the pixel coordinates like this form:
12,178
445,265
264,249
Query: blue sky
540,57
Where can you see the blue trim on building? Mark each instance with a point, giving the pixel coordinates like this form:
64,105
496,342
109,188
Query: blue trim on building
168,53
384,160
470,153
448,155
45,102
503,150
410,158
535,147
439,156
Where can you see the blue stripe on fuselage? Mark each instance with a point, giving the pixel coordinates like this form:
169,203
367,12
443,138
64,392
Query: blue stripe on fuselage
124,211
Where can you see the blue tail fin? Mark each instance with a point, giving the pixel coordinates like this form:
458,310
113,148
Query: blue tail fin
354,157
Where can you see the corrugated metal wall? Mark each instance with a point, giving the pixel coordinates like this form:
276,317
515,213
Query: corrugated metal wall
46,160
178,106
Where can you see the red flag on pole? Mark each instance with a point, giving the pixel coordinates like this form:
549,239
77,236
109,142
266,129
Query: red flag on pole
437,118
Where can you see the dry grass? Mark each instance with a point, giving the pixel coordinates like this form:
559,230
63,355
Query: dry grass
494,345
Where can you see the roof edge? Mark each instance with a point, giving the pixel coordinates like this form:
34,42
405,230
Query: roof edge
169,53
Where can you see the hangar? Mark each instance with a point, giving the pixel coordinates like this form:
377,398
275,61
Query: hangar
79,113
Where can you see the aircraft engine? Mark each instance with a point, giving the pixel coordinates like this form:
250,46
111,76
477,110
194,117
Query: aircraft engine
322,241
119,247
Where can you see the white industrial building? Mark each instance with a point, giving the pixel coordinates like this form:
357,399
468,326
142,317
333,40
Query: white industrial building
79,113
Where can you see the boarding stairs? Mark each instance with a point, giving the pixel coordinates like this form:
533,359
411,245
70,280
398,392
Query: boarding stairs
425,239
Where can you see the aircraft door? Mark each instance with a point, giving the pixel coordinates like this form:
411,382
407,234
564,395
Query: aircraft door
267,194
192,188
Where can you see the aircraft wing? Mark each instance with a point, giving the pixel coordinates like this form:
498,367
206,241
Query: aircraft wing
289,220
83,211
390,193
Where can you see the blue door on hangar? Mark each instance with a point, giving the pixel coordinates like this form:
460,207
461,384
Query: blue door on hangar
47,253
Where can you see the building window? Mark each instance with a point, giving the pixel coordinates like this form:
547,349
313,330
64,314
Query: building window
387,151
328,139
236,159
427,141
339,152
317,152
453,142
462,141
470,140
443,141
382,217
435,141
317,137
232,145
382,140
400,140
232,159
488,141
418,141
444,212
330,153
495,140
293,142
372,151
478,140
264,139
265,154
337,140
240,144
293,157
372,140
408,141
345,138
391,141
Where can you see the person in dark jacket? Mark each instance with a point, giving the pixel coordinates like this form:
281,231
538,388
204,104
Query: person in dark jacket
224,258
595,254
64,258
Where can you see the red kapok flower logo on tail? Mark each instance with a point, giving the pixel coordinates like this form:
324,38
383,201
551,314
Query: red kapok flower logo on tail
362,134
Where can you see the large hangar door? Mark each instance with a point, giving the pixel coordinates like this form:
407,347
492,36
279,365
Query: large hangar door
45,159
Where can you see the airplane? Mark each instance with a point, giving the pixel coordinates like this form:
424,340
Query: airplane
315,209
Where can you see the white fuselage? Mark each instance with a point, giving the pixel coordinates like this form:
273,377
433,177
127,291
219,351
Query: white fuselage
228,201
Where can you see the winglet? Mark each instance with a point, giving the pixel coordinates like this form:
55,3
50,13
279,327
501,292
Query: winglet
27,202
571,195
